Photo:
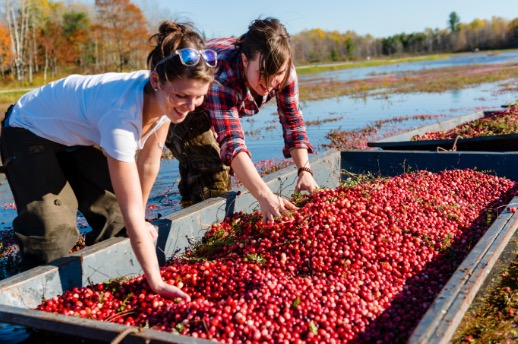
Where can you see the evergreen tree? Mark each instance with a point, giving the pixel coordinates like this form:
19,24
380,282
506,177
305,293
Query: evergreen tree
454,22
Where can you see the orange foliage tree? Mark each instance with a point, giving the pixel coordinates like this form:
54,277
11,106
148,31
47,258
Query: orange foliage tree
121,34
76,29
55,49
6,58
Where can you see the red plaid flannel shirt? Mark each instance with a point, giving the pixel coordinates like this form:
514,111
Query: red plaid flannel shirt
231,99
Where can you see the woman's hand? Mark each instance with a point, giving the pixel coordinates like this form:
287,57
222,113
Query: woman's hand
306,182
170,291
273,206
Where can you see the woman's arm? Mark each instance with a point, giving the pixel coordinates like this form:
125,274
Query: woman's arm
305,180
148,160
271,205
222,104
125,180
295,137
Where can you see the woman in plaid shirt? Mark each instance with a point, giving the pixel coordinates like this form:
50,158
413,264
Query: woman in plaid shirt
252,69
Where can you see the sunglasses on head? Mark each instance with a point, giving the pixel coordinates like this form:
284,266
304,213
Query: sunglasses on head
191,57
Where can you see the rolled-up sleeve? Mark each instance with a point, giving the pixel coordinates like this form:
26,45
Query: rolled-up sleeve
290,116
222,103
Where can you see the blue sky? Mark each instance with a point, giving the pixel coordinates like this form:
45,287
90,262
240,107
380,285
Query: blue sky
380,18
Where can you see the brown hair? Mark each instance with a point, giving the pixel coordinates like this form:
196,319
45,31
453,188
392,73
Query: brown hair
269,38
172,36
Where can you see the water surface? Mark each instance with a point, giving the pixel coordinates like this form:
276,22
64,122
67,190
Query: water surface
375,71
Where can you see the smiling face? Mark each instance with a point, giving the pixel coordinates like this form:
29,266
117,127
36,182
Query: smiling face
177,98
256,79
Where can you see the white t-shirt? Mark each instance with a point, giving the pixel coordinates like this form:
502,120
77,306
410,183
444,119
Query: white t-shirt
104,110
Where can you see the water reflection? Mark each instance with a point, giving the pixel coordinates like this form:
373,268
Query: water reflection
455,94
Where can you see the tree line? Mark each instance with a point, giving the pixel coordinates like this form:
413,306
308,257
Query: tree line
315,46
53,38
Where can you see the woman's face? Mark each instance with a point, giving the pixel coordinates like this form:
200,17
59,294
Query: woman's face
177,98
255,78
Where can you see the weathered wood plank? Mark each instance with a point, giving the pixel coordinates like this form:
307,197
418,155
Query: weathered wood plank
445,314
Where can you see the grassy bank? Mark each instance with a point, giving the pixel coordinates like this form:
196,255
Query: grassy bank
493,314
8,97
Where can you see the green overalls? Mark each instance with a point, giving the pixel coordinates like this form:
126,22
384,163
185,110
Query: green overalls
202,174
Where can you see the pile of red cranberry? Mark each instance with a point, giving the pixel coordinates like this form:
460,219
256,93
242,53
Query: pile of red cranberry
503,122
354,264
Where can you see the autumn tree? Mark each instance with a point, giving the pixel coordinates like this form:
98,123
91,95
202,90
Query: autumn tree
5,51
18,19
498,33
121,35
474,34
365,46
317,52
28,20
429,41
76,27
52,42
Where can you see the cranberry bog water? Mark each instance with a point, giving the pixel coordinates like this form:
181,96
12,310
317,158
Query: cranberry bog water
393,249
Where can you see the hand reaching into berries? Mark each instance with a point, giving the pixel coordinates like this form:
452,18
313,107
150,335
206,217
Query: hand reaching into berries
306,182
171,292
273,206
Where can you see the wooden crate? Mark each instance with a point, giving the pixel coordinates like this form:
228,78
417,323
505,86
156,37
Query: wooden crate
495,143
23,292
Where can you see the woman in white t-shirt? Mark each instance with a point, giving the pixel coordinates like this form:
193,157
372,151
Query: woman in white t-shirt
72,144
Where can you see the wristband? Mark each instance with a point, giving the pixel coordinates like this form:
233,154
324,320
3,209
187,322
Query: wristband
305,169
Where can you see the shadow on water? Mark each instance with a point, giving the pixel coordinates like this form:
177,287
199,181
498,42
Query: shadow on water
11,334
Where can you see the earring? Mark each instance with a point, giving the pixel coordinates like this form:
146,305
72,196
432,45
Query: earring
156,89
